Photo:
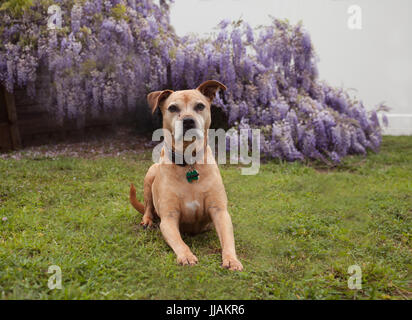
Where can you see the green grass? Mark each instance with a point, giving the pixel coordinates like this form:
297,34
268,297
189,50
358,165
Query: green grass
297,227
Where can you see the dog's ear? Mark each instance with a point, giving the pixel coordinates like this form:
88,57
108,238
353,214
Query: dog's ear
155,98
209,88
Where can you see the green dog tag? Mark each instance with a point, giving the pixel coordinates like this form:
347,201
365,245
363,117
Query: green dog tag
192,175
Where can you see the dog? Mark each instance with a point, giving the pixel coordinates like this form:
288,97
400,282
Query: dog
187,198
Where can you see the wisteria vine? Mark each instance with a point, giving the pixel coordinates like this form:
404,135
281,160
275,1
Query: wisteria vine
109,54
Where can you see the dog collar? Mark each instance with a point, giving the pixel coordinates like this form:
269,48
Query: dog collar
192,174
174,155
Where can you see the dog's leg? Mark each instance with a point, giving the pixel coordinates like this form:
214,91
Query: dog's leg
169,226
147,220
224,229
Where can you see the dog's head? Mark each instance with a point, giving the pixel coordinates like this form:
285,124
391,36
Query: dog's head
186,109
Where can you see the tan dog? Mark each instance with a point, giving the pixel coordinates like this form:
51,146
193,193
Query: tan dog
183,206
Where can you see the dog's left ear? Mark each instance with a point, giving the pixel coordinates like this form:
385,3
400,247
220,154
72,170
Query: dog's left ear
155,98
210,87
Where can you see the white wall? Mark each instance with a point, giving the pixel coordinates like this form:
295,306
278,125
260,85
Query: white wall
376,61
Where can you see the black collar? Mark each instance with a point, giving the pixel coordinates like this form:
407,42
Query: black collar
176,157
173,156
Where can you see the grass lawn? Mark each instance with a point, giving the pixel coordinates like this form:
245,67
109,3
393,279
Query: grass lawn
297,228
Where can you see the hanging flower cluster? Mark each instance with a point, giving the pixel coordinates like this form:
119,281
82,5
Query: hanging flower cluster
271,74
106,55
110,53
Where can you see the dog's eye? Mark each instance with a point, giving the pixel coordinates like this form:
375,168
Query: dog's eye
199,107
173,108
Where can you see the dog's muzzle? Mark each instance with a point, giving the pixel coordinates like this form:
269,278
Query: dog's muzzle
188,123
188,128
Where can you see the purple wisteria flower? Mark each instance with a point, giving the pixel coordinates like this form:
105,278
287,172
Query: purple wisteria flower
111,53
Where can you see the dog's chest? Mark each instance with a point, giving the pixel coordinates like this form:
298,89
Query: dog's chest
193,217
192,206
191,197
172,190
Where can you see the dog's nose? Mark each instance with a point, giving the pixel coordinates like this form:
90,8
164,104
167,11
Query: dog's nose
188,124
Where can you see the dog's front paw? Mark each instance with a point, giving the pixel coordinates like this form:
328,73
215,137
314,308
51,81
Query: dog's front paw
232,263
187,259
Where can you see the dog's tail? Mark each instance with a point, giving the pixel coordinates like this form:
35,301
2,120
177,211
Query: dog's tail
133,200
